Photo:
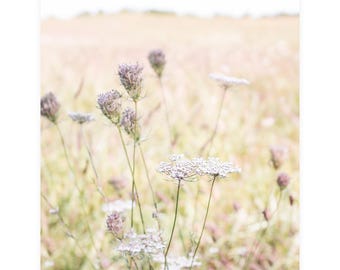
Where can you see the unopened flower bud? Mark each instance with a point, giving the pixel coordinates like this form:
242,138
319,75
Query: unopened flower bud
49,107
283,180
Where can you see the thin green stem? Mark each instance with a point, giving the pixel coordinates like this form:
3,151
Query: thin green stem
204,222
256,242
166,110
210,141
150,184
68,230
173,225
81,199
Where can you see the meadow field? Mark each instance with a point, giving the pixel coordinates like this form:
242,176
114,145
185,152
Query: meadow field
79,61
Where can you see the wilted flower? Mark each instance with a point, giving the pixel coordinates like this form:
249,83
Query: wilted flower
116,206
283,180
179,168
110,105
228,82
157,61
149,244
49,107
277,156
266,214
81,118
129,122
115,223
214,167
131,78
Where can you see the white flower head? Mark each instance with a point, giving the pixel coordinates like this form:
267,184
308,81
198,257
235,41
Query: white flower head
149,244
176,263
228,82
116,206
179,168
214,167
81,118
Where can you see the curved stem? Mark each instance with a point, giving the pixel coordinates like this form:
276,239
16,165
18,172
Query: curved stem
204,222
210,141
173,225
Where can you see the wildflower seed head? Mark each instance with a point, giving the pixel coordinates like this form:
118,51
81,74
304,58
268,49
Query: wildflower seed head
115,223
49,107
157,61
277,156
179,168
228,82
110,105
148,244
131,78
129,123
81,118
214,167
283,180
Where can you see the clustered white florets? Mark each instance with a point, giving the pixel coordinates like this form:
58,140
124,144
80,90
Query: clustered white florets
148,244
227,82
81,118
176,263
180,168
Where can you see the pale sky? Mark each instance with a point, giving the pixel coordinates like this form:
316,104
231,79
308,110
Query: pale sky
235,8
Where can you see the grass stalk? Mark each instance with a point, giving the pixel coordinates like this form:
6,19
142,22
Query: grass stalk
204,222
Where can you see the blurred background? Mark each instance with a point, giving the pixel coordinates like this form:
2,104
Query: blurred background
82,44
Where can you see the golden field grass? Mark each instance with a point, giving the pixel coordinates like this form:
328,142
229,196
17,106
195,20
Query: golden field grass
79,60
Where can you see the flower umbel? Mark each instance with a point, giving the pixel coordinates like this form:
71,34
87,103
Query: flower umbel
149,244
228,82
157,61
214,167
277,156
110,105
81,118
179,168
49,107
131,78
283,180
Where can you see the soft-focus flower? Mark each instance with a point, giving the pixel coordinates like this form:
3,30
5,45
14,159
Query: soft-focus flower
131,78
277,156
157,61
129,123
116,206
110,105
81,118
266,214
137,245
283,180
115,223
49,107
176,262
228,82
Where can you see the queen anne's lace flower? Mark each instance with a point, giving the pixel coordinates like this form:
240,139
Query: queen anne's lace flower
81,118
138,245
116,206
214,167
129,123
181,168
176,263
228,82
